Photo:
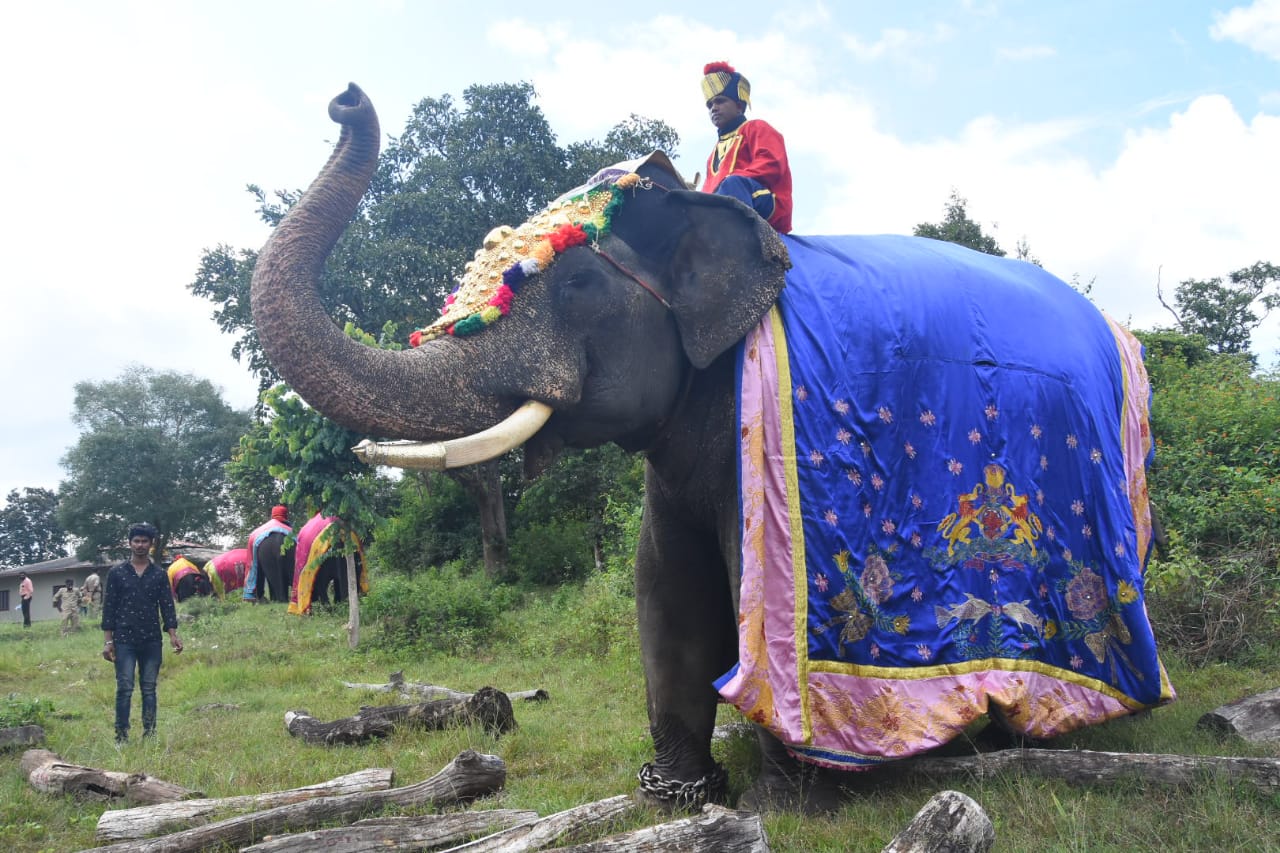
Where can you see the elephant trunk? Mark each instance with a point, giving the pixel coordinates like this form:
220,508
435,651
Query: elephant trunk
366,389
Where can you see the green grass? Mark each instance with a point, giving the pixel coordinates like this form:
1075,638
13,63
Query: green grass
585,744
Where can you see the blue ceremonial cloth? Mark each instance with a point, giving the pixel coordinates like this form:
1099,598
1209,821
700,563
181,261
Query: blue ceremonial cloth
944,504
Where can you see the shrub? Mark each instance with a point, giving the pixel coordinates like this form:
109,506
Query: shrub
550,553
445,610
434,522
16,711
1224,611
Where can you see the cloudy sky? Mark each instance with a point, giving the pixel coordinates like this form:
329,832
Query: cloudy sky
1127,143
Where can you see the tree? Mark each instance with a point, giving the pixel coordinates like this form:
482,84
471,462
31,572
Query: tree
1225,313
453,175
152,447
29,528
957,227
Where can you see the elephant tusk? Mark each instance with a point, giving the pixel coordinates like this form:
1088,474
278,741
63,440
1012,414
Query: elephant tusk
458,452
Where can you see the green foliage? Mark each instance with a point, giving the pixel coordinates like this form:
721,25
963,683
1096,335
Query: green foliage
17,711
29,528
433,522
957,227
312,456
571,520
455,173
551,552
595,619
1227,312
1216,485
152,447
445,611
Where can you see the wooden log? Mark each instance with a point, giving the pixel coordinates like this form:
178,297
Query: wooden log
140,822
396,684
950,821
468,776
539,834
396,833
1086,767
49,774
1254,718
716,828
25,736
488,707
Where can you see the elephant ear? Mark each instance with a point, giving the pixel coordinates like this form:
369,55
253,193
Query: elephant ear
727,269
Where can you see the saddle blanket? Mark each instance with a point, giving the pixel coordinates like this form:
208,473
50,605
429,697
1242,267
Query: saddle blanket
943,504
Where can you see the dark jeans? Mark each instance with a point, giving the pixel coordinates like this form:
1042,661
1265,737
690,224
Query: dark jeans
26,613
145,658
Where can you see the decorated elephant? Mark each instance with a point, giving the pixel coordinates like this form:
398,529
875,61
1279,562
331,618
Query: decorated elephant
187,580
270,566
319,571
891,485
227,571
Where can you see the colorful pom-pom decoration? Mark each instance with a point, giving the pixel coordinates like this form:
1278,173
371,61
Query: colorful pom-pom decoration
512,256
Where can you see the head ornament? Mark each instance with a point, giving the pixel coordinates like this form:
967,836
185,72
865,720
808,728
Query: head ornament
511,256
721,78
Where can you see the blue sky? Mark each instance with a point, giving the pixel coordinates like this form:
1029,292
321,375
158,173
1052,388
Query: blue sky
1126,142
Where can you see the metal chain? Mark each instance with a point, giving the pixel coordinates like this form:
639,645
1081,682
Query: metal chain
710,787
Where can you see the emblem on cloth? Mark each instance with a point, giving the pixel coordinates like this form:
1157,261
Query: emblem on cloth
995,511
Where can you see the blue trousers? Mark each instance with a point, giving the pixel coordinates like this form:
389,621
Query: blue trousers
145,658
750,192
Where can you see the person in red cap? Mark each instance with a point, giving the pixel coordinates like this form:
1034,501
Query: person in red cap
749,161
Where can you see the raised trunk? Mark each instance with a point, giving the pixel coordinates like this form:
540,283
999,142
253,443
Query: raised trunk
379,392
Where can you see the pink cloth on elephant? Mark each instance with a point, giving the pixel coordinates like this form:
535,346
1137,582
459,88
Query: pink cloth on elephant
227,571
315,540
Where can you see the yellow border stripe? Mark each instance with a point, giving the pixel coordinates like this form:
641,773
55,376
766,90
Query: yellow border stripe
786,422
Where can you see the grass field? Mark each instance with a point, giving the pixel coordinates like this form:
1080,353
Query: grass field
585,744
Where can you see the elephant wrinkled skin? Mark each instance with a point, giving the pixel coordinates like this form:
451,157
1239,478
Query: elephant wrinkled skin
616,365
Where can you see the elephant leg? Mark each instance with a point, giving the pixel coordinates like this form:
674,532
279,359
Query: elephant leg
688,639
788,784
340,582
320,590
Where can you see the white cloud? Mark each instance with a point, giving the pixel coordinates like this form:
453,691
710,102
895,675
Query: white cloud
1256,26
902,47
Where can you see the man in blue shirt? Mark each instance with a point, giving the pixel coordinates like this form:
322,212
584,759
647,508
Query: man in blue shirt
137,601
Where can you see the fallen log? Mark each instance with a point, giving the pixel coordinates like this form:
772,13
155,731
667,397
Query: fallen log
49,774
1254,718
950,821
468,776
1086,767
16,736
396,684
488,707
716,828
140,822
396,833
546,832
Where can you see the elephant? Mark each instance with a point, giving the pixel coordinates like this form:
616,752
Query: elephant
226,571
187,580
331,580
316,570
270,569
980,542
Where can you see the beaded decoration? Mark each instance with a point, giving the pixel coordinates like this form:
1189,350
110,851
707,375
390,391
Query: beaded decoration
511,256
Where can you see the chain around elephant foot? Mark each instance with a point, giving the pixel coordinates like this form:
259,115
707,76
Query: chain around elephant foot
672,794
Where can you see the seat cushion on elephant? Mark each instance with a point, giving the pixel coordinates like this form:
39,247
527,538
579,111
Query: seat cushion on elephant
943,501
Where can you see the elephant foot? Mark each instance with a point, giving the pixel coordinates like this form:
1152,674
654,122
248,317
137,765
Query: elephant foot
806,790
670,795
